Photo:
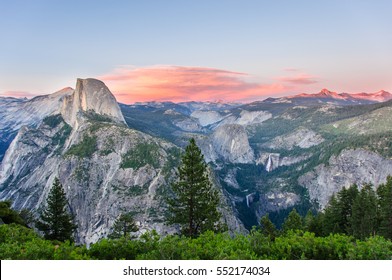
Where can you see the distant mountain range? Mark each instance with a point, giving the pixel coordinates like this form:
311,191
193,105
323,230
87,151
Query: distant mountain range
327,96
264,157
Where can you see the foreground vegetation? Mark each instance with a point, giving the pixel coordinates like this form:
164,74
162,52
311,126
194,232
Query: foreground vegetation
18,242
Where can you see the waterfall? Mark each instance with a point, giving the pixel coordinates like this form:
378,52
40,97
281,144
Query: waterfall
248,199
269,166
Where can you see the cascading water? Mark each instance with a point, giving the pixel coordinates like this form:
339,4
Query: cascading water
269,166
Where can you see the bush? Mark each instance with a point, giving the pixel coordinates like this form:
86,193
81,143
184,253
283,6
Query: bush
114,249
14,233
86,148
373,248
20,243
305,245
141,155
53,121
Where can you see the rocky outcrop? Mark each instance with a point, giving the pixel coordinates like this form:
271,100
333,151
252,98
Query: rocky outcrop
280,200
125,170
228,142
216,119
188,125
90,95
15,113
99,185
302,138
271,161
351,166
253,117
273,201
206,118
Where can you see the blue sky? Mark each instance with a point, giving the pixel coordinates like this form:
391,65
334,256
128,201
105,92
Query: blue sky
279,47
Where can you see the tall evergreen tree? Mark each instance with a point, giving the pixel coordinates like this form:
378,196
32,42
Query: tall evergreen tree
194,202
346,198
364,213
313,223
54,221
331,217
337,215
384,193
123,226
268,228
293,221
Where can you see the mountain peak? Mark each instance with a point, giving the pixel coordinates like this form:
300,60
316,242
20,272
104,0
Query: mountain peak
326,91
382,92
90,95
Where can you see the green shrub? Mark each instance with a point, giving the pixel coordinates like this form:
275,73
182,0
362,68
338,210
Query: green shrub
305,245
86,148
114,249
53,121
373,248
141,155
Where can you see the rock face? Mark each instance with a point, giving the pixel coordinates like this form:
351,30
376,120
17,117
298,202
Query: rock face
15,113
271,161
188,125
230,143
302,138
99,184
276,200
216,119
90,95
254,117
206,118
351,166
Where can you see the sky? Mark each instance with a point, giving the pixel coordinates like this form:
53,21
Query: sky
182,50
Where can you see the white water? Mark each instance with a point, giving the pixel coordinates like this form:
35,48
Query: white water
268,168
248,199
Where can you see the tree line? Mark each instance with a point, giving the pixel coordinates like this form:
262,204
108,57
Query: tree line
360,213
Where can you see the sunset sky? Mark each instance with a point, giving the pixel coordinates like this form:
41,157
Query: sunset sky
183,50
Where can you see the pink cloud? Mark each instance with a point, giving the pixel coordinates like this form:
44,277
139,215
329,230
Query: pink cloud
179,83
300,79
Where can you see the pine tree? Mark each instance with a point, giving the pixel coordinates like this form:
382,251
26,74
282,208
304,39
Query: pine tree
268,228
293,221
331,218
346,198
195,201
313,223
123,226
384,193
337,215
54,221
364,213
